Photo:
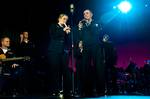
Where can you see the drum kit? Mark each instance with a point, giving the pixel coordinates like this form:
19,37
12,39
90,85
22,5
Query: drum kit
125,82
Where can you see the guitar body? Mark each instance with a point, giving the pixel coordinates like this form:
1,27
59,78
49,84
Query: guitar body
2,56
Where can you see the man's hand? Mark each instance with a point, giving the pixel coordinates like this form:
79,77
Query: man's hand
80,25
81,46
67,29
14,65
21,38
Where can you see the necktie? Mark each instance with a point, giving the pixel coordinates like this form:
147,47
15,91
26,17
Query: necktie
87,23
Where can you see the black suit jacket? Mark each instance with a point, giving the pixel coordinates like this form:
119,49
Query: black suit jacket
26,49
58,39
90,35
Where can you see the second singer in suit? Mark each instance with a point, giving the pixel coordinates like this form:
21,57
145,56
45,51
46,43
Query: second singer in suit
91,65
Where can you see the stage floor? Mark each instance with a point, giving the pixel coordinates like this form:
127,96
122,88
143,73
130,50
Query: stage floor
121,97
102,97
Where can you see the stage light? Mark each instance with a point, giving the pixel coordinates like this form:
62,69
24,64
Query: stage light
61,96
114,7
124,6
146,5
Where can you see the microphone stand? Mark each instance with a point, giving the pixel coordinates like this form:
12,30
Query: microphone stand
105,39
72,48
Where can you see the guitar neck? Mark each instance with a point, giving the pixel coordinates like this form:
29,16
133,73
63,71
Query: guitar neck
13,59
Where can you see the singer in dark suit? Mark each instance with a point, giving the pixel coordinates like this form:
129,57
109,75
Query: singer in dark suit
91,69
57,56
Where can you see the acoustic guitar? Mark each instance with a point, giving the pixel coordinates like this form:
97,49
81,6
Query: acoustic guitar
4,59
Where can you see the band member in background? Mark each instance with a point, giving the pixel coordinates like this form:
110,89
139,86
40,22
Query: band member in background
146,75
13,84
27,48
110,57
91,68
58,62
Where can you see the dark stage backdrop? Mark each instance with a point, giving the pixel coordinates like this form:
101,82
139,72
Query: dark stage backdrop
137,52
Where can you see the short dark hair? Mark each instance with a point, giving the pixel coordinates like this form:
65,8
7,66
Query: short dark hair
24,31
89,11
2,38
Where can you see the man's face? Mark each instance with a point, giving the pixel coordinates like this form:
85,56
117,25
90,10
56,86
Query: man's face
63,19
87,14
6,42
25,35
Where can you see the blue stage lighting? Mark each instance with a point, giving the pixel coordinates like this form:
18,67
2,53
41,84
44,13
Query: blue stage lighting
124,6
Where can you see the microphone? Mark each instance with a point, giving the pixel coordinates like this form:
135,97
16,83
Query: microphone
72,8
82,24
83,21
106,38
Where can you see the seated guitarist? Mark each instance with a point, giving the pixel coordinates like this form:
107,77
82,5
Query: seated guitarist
9,69
5,51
